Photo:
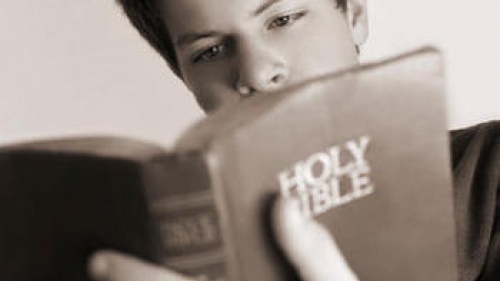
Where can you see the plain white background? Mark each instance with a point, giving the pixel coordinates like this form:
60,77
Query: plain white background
72,67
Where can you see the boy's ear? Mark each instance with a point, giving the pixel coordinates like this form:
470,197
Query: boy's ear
357,16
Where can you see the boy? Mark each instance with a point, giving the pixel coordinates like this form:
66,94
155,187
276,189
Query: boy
227,50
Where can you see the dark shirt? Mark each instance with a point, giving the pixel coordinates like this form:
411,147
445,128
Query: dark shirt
476,168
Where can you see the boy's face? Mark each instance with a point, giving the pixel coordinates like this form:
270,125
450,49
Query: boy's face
227,49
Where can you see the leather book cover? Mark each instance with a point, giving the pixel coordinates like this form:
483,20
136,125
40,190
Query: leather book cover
366,152
60,200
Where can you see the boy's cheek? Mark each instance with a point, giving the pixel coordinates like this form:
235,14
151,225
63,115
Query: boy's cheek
215,96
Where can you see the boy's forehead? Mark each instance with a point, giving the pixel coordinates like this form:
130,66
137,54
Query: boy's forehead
206,14
210,6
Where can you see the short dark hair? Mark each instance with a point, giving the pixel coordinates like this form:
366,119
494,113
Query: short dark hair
146,18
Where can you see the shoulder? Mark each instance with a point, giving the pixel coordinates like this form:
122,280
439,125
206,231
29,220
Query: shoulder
473,141
476,169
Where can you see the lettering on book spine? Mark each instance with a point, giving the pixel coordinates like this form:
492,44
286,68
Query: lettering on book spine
330,178
190,231
191,239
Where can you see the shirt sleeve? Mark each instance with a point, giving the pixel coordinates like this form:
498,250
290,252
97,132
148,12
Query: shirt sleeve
476,169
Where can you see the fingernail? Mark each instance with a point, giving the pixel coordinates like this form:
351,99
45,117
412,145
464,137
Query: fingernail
290,199
98,266
296,206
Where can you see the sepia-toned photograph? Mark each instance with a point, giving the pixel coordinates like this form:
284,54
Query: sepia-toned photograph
241,140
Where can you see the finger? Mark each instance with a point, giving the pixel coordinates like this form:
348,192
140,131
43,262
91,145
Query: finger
308,245
109,265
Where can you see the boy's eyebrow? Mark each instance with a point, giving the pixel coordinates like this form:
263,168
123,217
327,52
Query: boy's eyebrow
266,5
189,38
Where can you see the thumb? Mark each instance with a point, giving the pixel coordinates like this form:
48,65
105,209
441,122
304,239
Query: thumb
107,265
308,245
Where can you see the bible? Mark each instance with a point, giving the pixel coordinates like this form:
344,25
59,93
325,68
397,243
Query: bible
364,151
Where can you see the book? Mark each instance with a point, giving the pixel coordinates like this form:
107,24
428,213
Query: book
365,150
60,200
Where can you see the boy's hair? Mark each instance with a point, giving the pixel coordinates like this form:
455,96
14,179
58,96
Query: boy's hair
146,18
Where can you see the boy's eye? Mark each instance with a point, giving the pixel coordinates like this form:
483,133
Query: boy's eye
285,20
209,53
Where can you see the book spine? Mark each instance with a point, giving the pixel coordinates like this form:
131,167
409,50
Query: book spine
184,216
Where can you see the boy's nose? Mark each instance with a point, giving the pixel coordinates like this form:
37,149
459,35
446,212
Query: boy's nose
260,69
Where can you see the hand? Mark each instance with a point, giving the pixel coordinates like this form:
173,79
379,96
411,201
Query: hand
306,243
